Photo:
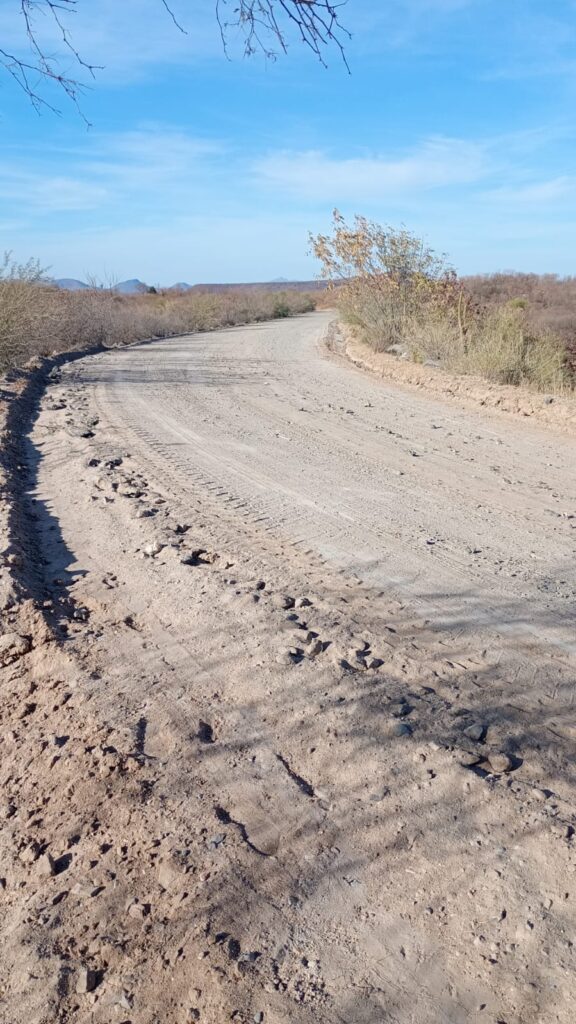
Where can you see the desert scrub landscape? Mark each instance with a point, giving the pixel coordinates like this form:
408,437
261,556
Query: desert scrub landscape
404,298
38,318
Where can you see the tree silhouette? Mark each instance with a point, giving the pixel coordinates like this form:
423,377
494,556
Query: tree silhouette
264,26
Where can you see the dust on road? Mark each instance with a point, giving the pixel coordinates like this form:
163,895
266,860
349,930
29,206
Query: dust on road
319,731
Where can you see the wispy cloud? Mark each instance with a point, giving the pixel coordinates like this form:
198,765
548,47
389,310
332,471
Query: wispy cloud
534,193
153,164
124,38
436,163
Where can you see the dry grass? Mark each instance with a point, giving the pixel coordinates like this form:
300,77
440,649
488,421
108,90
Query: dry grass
549,300
37,319
498,344
517,329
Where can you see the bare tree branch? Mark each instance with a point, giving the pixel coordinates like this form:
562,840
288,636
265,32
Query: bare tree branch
263,25
316,21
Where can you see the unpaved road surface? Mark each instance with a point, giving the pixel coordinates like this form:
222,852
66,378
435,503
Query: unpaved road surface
304,749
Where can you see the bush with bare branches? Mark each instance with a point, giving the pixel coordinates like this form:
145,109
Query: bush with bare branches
400,294
37,318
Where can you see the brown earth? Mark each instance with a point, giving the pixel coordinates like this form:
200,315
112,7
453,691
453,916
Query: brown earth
287,731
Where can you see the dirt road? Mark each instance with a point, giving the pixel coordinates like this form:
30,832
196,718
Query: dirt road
326,629
472,519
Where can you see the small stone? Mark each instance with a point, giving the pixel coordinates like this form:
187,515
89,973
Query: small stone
152,549
170,874
118,997
8,596
84,890
216,841
87,980
285,658
249,958
303,636
128,491
45,865
400,708
475,731
233,949
137,911
468,758
500,762
79,430
374,663
258,1017
302,602
400,729
315,648
12,647
283,601
29,854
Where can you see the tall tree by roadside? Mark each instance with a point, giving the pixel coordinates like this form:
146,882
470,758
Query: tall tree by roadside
264,27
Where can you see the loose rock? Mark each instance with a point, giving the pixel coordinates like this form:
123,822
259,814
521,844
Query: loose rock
500,762
12,647
475,732
87,981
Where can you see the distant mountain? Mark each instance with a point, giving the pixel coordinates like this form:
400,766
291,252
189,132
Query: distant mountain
136,287
71,284
131,287
264,286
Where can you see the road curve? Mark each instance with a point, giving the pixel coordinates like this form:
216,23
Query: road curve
465,514
367,782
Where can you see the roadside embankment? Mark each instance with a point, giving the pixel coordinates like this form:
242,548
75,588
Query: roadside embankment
553,411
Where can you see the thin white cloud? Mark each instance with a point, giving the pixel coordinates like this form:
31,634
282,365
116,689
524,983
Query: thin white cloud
154,163
313,175
45,193
122,38
537,192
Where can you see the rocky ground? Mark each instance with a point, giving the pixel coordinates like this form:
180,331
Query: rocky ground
239,780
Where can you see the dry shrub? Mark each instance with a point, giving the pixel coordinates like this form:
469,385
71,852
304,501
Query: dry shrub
550,301
399,293
499,345
37,319
382,279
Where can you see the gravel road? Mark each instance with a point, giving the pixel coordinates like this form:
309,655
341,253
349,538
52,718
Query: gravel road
469,517
303,750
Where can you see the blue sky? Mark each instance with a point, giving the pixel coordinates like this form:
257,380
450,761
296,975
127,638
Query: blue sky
457,120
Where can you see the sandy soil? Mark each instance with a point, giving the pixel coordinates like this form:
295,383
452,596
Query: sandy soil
288,729
557,412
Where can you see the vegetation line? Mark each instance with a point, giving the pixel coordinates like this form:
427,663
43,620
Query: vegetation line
38,319
405,299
